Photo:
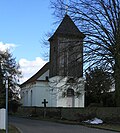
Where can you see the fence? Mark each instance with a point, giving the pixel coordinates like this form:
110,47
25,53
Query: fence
2,119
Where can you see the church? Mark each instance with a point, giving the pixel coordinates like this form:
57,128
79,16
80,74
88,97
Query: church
60,82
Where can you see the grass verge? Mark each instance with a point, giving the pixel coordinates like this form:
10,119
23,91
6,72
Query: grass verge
112,127
11,129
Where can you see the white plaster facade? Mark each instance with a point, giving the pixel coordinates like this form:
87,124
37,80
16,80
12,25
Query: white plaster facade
71,101
33,94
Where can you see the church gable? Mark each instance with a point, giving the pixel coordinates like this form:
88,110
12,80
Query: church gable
41,75
44,76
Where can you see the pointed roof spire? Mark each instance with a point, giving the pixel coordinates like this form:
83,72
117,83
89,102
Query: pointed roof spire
66,7
67,28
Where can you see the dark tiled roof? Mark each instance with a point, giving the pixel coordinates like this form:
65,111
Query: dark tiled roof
37,75
67,27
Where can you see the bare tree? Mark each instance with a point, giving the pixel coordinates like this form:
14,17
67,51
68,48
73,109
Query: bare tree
99,20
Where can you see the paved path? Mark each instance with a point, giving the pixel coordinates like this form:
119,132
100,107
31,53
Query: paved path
37,126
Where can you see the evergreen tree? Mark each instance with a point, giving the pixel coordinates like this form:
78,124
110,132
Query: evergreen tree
9,71
98,85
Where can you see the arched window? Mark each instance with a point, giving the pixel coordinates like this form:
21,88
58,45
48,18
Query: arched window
23,98
70,92
31,97
26,101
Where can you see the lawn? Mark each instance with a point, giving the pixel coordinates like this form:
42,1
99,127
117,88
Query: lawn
113,127
11,129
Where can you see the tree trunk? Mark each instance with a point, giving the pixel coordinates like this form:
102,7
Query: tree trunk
117,80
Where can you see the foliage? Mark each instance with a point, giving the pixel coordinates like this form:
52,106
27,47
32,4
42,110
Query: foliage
9,76
98,85
13,105
100,22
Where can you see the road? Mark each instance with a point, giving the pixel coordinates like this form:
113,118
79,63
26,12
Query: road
37,126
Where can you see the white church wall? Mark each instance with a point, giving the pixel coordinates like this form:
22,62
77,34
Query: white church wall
64,101
34,95
72,101
26,95
22,95
82,99
29,98
43,92
79,101
61,102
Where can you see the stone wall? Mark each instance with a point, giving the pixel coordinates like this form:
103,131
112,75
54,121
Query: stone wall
79,114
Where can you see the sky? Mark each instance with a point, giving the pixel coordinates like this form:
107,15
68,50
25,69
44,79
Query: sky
23,25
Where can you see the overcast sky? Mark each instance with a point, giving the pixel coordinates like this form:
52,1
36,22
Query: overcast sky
23,25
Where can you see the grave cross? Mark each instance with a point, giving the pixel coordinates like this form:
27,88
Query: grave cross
45,102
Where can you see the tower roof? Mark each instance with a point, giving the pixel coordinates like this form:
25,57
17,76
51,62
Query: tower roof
68,28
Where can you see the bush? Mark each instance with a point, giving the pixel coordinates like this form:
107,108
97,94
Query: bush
53,114
95,105
13,106
84,117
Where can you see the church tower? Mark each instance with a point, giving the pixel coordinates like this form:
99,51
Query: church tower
66,50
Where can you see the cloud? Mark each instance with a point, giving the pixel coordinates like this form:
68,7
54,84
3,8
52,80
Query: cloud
5,46
29,68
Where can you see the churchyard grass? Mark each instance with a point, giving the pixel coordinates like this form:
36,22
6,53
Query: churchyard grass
11,129
112,127
2,131
105,126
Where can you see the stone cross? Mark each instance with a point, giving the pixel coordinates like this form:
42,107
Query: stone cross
45,102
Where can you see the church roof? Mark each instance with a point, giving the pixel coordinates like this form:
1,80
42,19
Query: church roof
37,75
67,27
